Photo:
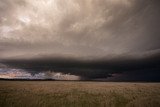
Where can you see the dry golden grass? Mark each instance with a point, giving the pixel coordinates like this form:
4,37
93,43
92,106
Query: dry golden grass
78,94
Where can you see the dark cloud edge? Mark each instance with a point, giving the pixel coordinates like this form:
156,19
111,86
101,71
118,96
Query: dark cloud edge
89,69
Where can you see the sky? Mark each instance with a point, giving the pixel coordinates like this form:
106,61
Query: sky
80,39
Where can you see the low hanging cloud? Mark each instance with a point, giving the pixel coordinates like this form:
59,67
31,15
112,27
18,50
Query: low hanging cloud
89,69
23,74
86,38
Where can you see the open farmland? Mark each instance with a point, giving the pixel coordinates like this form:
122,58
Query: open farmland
78,94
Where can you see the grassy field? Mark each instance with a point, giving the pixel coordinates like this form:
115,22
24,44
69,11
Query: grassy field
78,94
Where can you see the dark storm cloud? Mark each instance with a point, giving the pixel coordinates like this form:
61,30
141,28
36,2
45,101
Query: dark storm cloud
90,69
90,38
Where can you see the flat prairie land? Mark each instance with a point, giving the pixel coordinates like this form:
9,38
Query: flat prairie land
78,94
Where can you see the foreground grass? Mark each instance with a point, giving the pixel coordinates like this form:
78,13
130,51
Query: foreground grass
78,94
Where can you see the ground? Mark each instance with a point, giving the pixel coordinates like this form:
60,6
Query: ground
78,94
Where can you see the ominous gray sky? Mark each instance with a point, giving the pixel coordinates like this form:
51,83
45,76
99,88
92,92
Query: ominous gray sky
79,29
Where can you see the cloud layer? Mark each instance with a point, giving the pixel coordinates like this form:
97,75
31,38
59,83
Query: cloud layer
89,28
85,30
88,69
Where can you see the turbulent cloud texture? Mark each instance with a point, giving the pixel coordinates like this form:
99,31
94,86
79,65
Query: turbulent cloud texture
85,32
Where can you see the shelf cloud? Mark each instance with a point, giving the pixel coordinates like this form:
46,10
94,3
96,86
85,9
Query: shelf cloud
87,38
